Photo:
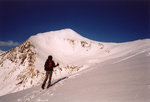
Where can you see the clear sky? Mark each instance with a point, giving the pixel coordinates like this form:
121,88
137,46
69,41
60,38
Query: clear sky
104,20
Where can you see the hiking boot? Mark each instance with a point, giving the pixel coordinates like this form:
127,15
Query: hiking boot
43,86
49,85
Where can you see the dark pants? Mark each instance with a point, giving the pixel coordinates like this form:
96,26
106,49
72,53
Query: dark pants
48,75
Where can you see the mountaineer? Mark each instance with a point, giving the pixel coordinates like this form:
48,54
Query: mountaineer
49,65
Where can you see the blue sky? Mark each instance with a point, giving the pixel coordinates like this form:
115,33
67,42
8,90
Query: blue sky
104,20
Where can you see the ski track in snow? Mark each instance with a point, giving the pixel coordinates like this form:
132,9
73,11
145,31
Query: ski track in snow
126,58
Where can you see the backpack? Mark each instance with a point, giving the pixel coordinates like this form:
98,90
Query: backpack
50,64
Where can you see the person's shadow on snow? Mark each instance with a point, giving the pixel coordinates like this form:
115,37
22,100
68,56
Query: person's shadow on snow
58,81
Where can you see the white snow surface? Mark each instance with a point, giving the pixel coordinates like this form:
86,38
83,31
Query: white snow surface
89,71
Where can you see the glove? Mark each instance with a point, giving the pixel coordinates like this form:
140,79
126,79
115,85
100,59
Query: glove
57,64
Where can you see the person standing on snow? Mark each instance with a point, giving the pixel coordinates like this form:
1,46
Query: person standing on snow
49,65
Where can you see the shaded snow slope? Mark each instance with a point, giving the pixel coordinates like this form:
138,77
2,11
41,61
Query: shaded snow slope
22,67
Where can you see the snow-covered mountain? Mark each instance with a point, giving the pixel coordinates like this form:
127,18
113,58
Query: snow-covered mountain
108,67
22,67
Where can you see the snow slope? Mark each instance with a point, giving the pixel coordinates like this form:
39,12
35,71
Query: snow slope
123,77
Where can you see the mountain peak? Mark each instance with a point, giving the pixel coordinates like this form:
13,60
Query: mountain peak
63,33
63,44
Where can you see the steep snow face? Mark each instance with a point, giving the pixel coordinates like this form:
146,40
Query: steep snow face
66,46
